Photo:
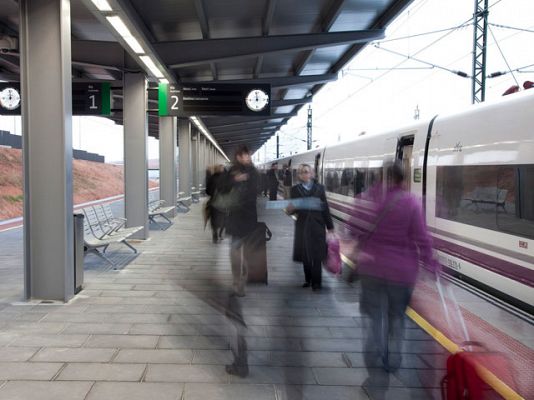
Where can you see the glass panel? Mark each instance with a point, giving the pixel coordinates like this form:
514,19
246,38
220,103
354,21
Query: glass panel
515,208
500,198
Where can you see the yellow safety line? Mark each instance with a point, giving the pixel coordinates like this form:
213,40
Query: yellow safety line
497,384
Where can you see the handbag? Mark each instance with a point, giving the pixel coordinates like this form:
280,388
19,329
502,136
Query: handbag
333,257
225,202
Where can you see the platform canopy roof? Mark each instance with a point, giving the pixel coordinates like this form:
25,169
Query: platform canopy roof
295,45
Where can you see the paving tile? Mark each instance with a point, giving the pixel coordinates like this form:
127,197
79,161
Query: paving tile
27,390
102,372
13,371
307,359
163,329
408,361
17,353
50,341
316,392
195,391
154,356
289,375
354,377
135,391
351,345
122,341
193,342
64,354
186,373
93,328
395,393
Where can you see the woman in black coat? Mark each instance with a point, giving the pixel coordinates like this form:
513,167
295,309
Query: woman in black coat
313,218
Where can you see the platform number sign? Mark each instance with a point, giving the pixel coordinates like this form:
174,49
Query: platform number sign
91,98
169,100
87,98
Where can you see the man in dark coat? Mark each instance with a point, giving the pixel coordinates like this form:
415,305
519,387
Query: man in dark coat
309,246
242,178
272,180
213,183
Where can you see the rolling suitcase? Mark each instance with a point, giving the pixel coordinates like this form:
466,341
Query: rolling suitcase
255,253
465,369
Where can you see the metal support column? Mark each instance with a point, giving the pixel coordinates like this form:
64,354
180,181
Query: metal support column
480,36
45,39
202,158
195,165
277,146
135,153
184,152
167,161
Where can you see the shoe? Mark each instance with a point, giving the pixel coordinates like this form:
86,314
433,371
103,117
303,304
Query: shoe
241,371
306,284
239,293
316,288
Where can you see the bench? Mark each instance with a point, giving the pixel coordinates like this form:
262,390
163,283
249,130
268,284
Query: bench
99,234
182,202
487,195
158,208
195,195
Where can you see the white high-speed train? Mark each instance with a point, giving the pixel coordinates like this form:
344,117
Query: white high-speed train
474,173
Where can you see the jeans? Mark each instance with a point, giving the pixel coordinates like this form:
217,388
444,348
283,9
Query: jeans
239,264
385,303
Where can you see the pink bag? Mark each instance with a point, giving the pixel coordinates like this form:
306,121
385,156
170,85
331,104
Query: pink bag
333,258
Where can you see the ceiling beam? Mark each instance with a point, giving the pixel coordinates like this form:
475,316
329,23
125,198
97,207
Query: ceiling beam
260,125
233,122
282,81
291,102
266,27
192,52
249,135
205,29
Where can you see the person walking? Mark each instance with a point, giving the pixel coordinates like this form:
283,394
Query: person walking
313,219
392,241
242,182
273,183
216,216
288,182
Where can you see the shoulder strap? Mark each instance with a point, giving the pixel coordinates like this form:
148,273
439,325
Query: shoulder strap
386,209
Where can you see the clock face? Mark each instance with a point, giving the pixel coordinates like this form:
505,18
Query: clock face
10,98
257,100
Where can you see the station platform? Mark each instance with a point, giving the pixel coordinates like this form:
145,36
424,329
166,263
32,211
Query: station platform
162,324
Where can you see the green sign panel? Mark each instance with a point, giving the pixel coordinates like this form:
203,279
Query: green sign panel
169,100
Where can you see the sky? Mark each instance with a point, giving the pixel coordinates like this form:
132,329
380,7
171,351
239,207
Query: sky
370,94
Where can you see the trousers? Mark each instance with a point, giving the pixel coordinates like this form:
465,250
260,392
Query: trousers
313,272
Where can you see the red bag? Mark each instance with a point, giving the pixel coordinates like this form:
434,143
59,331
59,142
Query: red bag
333,258
463,380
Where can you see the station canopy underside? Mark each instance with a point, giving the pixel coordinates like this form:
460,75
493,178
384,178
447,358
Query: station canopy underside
295,45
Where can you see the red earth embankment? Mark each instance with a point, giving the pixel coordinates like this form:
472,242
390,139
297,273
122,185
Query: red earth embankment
92,181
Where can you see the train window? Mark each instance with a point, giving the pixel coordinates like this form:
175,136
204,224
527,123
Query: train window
489,196
515,204
358,181
345,184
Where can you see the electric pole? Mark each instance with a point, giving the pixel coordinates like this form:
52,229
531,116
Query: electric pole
309,127
480,35
277,146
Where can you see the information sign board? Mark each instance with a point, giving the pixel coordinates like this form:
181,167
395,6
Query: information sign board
201,99
87,98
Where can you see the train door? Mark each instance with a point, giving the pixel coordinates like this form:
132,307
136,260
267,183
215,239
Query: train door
404,154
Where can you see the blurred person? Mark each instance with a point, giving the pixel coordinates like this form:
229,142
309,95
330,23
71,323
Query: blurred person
309,246
287,181
272,181
392,241
242,219
216,216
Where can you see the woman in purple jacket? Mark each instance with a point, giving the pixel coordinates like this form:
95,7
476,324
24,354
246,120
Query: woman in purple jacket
391,233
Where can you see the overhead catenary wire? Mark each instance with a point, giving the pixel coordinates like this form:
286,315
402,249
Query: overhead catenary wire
469,23
503,56
393,68
459,73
